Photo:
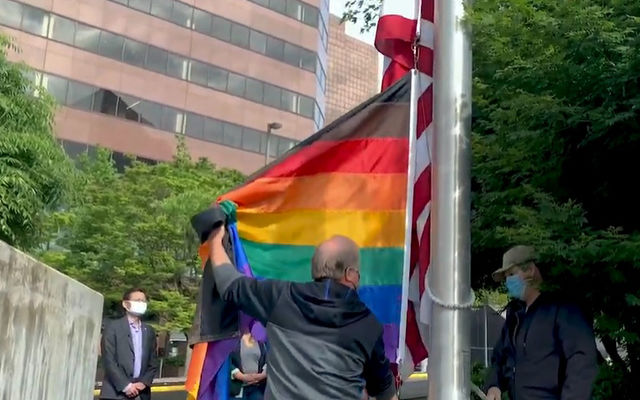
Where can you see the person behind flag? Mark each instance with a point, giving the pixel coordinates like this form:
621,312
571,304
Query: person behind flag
249,373
547,348
324,342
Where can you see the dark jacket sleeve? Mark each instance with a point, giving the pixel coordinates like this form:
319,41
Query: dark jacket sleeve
494,376
255,298
112,370
235,360
579,349
377,374
152,368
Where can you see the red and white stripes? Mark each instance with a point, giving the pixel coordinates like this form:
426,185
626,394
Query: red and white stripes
395,39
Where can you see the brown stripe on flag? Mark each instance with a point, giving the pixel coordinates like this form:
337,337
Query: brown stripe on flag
385,115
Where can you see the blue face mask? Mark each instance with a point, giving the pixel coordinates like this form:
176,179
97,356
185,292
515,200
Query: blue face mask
516,286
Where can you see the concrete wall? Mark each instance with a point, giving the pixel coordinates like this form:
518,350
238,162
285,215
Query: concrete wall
49,331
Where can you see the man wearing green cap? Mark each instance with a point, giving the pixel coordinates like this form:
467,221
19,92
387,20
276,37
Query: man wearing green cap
546,350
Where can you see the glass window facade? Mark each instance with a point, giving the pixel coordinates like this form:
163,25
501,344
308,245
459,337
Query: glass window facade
90,98
132,52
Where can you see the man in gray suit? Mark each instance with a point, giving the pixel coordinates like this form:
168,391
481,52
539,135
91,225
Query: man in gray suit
129,352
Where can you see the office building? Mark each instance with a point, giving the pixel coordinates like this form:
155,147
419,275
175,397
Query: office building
353,71
130,74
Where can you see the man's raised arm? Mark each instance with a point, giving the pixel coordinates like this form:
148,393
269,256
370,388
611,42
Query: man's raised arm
255,298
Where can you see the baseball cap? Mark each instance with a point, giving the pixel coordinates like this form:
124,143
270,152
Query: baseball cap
517,255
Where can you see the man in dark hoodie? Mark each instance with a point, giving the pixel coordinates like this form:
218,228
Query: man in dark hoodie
324,342
547,348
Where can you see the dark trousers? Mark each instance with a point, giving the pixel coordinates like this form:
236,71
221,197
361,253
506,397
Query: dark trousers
253,393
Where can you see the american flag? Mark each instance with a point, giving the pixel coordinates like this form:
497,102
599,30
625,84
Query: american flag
396,37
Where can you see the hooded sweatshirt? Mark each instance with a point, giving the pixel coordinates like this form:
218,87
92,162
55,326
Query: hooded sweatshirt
324,341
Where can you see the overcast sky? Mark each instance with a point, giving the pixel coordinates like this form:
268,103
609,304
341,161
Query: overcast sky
337,7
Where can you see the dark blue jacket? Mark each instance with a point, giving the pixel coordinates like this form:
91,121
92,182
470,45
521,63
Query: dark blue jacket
324,343
547,352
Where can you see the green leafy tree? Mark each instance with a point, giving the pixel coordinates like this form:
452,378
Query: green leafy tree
556,124
556,133
364,11
132,229
35,173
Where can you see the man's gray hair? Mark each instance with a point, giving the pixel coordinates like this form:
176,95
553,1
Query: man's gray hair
333,256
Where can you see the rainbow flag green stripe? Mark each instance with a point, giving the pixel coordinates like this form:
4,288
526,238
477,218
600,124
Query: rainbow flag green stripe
378,265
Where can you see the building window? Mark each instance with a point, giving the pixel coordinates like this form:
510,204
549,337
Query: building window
232,135
272,96
182,14
57,87
278,5
141,5
275,48
221,28
199,73
308,61
306,107
236,85
105,102
258,42
291,55
35,21
194,126
294,10
272,145
111,45
162,9
10,13
134,53
254,90
177,66
240,35
202,21
171,120
284,145
310,16
251,140
156,60
79,96
150,113
62,29
289,101
218,79
88,98
237,34
87,38
213,131
127,108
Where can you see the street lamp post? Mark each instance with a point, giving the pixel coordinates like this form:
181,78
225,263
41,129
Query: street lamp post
271,126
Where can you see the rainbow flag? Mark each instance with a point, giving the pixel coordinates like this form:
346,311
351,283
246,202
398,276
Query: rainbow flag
209,372
350,178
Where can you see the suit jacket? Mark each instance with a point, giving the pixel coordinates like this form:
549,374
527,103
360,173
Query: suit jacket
117,359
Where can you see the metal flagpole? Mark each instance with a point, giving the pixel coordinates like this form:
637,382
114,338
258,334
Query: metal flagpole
411,173
449,275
